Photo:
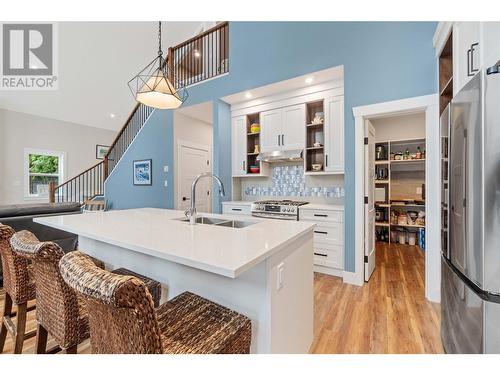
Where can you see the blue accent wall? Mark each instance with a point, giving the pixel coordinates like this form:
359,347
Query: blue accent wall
382,61
153,142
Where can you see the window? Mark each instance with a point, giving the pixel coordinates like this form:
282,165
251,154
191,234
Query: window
40,168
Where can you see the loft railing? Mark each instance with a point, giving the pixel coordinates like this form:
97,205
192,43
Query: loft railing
202,57
85,186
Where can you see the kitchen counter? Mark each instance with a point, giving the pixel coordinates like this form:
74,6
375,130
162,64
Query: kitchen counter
263,271
158,232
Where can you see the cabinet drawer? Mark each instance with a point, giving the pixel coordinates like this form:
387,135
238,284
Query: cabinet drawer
321,215
236,209
329,234
331,257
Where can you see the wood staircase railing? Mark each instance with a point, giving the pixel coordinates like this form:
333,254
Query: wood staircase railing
85,186
200,58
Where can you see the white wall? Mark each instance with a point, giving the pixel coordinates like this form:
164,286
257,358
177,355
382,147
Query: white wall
19,131
399,127
190,130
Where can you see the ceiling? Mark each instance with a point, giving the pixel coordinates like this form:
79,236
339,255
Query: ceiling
253,97
201,112
96,60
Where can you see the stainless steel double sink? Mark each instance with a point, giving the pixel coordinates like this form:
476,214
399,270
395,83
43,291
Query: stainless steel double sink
220,222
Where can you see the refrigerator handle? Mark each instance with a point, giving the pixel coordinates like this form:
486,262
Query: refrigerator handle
464,201
493,69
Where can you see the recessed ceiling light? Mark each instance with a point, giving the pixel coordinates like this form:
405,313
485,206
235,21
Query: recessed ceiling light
197,53
112,115
309,80
248,95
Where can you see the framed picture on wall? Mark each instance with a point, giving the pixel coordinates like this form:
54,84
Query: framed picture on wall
143,173
100,151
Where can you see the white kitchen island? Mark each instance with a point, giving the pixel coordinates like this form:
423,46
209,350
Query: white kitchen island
263,271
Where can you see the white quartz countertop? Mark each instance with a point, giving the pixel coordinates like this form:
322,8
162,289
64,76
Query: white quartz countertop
156,232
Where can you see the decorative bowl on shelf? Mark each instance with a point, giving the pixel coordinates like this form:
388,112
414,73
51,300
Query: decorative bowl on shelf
255,128
317,144
254,169
316,167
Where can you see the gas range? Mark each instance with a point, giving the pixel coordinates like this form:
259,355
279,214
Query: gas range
277,209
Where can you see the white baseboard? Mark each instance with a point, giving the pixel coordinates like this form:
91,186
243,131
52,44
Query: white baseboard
353,278
329,271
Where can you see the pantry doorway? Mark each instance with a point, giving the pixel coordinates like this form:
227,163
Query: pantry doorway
399,194
398,188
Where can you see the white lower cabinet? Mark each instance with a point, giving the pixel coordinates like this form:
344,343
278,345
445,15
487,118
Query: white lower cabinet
328,242
236,208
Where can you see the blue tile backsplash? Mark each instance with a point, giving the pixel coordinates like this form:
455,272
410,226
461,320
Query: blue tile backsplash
290,181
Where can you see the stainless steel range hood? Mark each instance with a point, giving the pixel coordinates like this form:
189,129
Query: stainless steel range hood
280,156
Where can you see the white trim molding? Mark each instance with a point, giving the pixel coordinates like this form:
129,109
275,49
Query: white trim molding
443,30
428,104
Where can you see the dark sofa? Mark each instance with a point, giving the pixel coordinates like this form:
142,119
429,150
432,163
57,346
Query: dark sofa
20,216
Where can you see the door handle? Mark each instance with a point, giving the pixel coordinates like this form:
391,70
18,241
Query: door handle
326,160
244,166
186,198
321,255
236,209
320,215
279,140
282,139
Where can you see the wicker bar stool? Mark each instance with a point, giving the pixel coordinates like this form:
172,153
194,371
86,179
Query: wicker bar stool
154,287
60,311
19,289
123,320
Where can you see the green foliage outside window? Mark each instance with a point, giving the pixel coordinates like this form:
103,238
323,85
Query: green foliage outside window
43,164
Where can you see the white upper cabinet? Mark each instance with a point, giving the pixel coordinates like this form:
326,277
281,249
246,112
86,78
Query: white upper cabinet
466,53
490,43
239,145
271,126
334,134
293,135
283,128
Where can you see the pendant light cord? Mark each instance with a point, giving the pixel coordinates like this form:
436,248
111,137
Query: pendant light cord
160,52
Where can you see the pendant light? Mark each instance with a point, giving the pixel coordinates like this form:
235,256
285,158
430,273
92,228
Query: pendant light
156,86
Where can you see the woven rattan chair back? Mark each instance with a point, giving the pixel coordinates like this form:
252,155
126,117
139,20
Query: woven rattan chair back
122,317
15,269
57,309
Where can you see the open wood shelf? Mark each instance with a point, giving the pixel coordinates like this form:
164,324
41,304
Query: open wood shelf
315,133
399,178
446,74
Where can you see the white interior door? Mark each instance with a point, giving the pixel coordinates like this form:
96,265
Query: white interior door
192,162
369,199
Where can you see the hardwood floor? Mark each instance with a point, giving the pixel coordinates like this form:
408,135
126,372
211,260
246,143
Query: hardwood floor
389,314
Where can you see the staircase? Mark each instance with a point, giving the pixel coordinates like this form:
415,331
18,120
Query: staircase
198,59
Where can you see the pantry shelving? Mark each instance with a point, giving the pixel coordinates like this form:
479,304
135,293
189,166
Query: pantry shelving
399,189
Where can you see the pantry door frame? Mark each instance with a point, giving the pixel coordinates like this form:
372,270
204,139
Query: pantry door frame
429,104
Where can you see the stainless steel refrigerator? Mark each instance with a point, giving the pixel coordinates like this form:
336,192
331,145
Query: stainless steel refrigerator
470,262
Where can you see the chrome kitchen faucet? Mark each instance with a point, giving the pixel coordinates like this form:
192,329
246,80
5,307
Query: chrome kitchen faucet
191,212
